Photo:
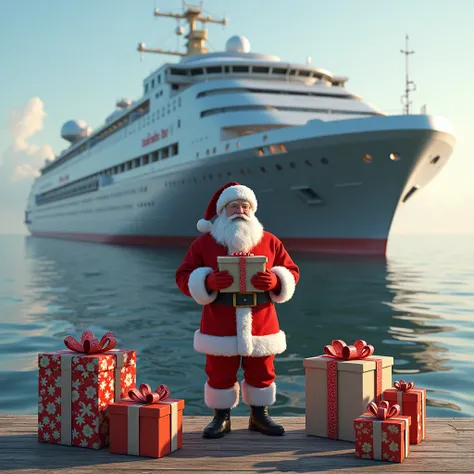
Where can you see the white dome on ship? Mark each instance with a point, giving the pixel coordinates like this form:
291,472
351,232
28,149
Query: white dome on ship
237,44
75,130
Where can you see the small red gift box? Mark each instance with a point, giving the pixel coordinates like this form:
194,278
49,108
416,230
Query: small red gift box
75,387
152,429
412,403
382,434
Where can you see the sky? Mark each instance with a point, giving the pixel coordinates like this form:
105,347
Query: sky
64,60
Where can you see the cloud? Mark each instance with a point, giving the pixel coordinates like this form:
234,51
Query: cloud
20,163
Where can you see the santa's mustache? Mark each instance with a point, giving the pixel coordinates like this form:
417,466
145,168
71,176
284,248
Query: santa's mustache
239,216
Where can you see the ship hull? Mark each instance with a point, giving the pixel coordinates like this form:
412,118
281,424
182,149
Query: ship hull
321,195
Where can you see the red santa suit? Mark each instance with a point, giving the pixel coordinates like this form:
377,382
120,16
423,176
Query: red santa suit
231,335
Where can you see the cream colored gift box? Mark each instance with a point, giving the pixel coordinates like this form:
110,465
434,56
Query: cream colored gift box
356,388
233,264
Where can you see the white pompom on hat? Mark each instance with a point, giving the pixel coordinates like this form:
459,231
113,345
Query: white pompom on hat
227,193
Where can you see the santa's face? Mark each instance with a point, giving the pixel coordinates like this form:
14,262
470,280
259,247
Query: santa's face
240,231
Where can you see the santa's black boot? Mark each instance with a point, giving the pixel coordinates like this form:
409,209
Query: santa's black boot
261,421
219,426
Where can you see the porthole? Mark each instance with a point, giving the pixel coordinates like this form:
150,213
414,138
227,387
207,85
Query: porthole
394,156
367,158
324,161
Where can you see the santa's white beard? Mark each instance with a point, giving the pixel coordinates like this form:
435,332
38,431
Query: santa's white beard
239,235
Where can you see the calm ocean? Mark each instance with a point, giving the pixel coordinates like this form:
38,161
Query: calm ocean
416,305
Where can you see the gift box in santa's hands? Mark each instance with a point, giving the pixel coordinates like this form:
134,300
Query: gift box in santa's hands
382,433
339,386
412,402
147,424
75,387
243,268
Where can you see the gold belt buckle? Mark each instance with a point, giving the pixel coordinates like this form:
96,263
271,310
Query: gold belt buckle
234,300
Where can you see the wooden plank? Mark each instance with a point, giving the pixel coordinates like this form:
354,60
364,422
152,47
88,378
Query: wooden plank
449,448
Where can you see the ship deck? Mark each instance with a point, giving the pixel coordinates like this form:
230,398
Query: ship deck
449,447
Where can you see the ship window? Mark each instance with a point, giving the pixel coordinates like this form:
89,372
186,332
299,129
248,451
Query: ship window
165,153
278,70
293,72
158,79
175,87
178,72
196,72
307,163
146,159
240,69
410,193
146,88
324,161
136,162
154,156
174,149
278,167
262,169
260,152
226,68
153,83
129,165
261,69
304,73
179,123
122,168
435,160
214,70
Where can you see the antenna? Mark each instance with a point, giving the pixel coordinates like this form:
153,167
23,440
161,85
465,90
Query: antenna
410,86
196,38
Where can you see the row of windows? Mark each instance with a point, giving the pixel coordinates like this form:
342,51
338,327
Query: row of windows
245,90
91,183
247,69
246,108
128,119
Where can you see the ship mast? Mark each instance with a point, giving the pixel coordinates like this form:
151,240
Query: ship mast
410,86
196,38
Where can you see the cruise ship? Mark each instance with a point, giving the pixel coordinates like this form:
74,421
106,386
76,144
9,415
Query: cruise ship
329,170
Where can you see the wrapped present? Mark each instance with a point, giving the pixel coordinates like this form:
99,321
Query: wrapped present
412,402
147,424
340,385
382,433
75,387
242,267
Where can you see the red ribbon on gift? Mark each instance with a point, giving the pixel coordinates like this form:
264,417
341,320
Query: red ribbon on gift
383,411
338,350
91,345
403,386
144,394
242,269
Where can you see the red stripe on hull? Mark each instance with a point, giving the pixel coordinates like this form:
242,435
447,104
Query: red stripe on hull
316,245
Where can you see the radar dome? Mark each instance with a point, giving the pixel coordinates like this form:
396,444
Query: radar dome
75,130
237,44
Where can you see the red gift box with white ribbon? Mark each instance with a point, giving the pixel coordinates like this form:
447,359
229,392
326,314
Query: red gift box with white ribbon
76,386
412,402
148,423
382,433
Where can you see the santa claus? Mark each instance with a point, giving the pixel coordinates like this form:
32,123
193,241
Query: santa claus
237,328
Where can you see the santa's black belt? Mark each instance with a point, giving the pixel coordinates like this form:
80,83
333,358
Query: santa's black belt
242,300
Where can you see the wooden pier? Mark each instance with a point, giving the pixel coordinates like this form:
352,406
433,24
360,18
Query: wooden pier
448,448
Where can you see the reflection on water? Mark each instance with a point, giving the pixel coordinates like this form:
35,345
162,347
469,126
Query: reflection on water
415,305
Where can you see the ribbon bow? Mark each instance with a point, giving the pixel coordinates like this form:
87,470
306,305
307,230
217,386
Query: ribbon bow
89,344
340,350
241,254
403,386
145,395
383,410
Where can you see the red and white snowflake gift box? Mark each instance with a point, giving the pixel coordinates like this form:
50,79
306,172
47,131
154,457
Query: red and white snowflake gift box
382,433
76,386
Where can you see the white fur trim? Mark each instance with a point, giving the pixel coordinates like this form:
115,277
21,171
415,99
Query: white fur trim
258,397
221,398
236,192
244,331
288,285
197,286
271,344
204,226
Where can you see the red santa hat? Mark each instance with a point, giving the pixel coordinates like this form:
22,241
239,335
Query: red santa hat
227,193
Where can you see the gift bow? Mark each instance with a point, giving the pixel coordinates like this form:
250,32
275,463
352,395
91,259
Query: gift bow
145,395
383,410
340,350
89,344
241,254
403,386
